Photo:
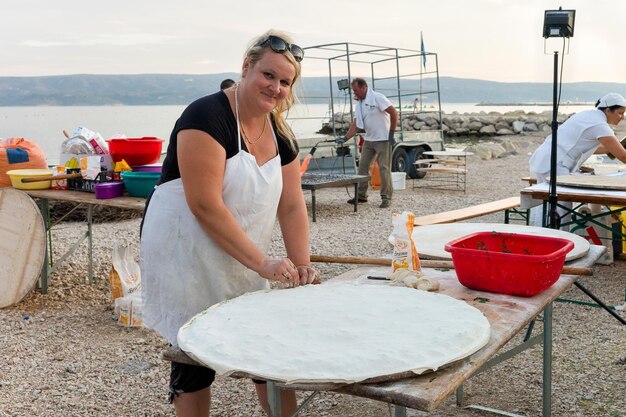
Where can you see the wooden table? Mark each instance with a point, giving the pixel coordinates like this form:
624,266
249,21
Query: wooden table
614,201
507,315
539,194
311,181
77,198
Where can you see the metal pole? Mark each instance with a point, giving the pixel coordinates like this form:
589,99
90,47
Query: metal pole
273,399
547,361
600,303
554,220
90,241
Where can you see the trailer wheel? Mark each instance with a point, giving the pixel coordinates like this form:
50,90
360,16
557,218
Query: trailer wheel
413,155
399,161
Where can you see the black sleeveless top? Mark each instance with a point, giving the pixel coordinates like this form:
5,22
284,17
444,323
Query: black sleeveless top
212,114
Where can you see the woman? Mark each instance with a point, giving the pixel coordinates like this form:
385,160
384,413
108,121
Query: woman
231,168
578,138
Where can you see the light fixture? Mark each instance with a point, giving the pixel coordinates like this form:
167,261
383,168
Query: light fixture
558,23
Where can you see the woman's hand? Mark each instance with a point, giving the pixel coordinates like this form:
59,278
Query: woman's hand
281,270
308,275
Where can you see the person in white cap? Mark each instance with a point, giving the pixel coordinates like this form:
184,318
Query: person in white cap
580,136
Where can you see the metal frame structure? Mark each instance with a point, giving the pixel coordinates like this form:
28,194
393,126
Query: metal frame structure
393,72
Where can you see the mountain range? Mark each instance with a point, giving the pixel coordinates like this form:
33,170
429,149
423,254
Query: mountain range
180,89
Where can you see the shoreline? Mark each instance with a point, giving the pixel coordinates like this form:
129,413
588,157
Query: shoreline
533,104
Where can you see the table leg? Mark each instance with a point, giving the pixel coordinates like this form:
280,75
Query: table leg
313,204
547,361
400,411
43,278
460,397
273,399
356,195
90,242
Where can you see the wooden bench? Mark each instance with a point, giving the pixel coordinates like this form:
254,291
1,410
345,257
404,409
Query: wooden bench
507,204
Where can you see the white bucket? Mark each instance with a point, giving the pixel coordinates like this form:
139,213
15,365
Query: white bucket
398,180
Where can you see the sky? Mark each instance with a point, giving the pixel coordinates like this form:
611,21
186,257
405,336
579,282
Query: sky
498,40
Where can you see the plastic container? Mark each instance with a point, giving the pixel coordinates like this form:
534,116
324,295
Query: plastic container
106,190
398,180
375,176
140,184
508,263
136,151
16,176
147,168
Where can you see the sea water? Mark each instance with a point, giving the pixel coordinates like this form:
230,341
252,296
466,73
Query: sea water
45,124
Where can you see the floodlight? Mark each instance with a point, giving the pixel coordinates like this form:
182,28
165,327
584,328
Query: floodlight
558,23
343,84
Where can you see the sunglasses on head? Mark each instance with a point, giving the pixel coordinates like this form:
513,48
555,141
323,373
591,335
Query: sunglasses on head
281,46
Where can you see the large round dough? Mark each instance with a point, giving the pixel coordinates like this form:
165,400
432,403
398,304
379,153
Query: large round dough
334,333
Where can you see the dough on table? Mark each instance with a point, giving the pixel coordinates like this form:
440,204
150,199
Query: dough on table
414,279
336,332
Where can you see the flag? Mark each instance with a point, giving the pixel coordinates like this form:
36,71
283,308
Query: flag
423,50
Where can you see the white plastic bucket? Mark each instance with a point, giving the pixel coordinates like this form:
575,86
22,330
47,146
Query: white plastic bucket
398,180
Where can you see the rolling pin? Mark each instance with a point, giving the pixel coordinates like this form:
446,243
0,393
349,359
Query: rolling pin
55,177
427,263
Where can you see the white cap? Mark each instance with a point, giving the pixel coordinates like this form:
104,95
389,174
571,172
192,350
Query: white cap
612,99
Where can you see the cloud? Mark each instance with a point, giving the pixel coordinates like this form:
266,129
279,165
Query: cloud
103,40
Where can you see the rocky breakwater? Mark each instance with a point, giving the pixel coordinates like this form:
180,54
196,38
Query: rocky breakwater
483,132
467,124
480,124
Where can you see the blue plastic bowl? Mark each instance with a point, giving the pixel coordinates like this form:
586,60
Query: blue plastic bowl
140,184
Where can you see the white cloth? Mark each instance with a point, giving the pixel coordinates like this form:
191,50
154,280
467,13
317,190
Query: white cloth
183,270
371,116
577,140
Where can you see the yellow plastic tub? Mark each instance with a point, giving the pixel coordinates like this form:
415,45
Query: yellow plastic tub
16,176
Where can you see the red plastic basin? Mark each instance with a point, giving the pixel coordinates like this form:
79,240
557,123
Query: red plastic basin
508,263
136,151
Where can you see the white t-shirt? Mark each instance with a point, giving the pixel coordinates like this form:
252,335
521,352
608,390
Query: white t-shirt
370,115
577,139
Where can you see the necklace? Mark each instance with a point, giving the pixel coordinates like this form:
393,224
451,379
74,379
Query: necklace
252,142
243,132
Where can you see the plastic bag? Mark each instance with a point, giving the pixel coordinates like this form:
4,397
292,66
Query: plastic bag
125,279
125,276
404,251
85,141
128,310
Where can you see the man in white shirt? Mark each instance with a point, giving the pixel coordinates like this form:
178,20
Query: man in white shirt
376,115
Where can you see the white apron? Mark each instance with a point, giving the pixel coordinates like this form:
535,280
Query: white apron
183,270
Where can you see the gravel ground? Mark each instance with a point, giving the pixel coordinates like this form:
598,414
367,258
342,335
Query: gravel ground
64,355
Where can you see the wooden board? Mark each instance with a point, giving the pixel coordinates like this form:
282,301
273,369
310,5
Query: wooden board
431,240
82,197
443,170
507,315
617,183
449,153
22,247
439,161
468,212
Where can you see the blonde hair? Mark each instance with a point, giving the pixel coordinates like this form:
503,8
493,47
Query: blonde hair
254,54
